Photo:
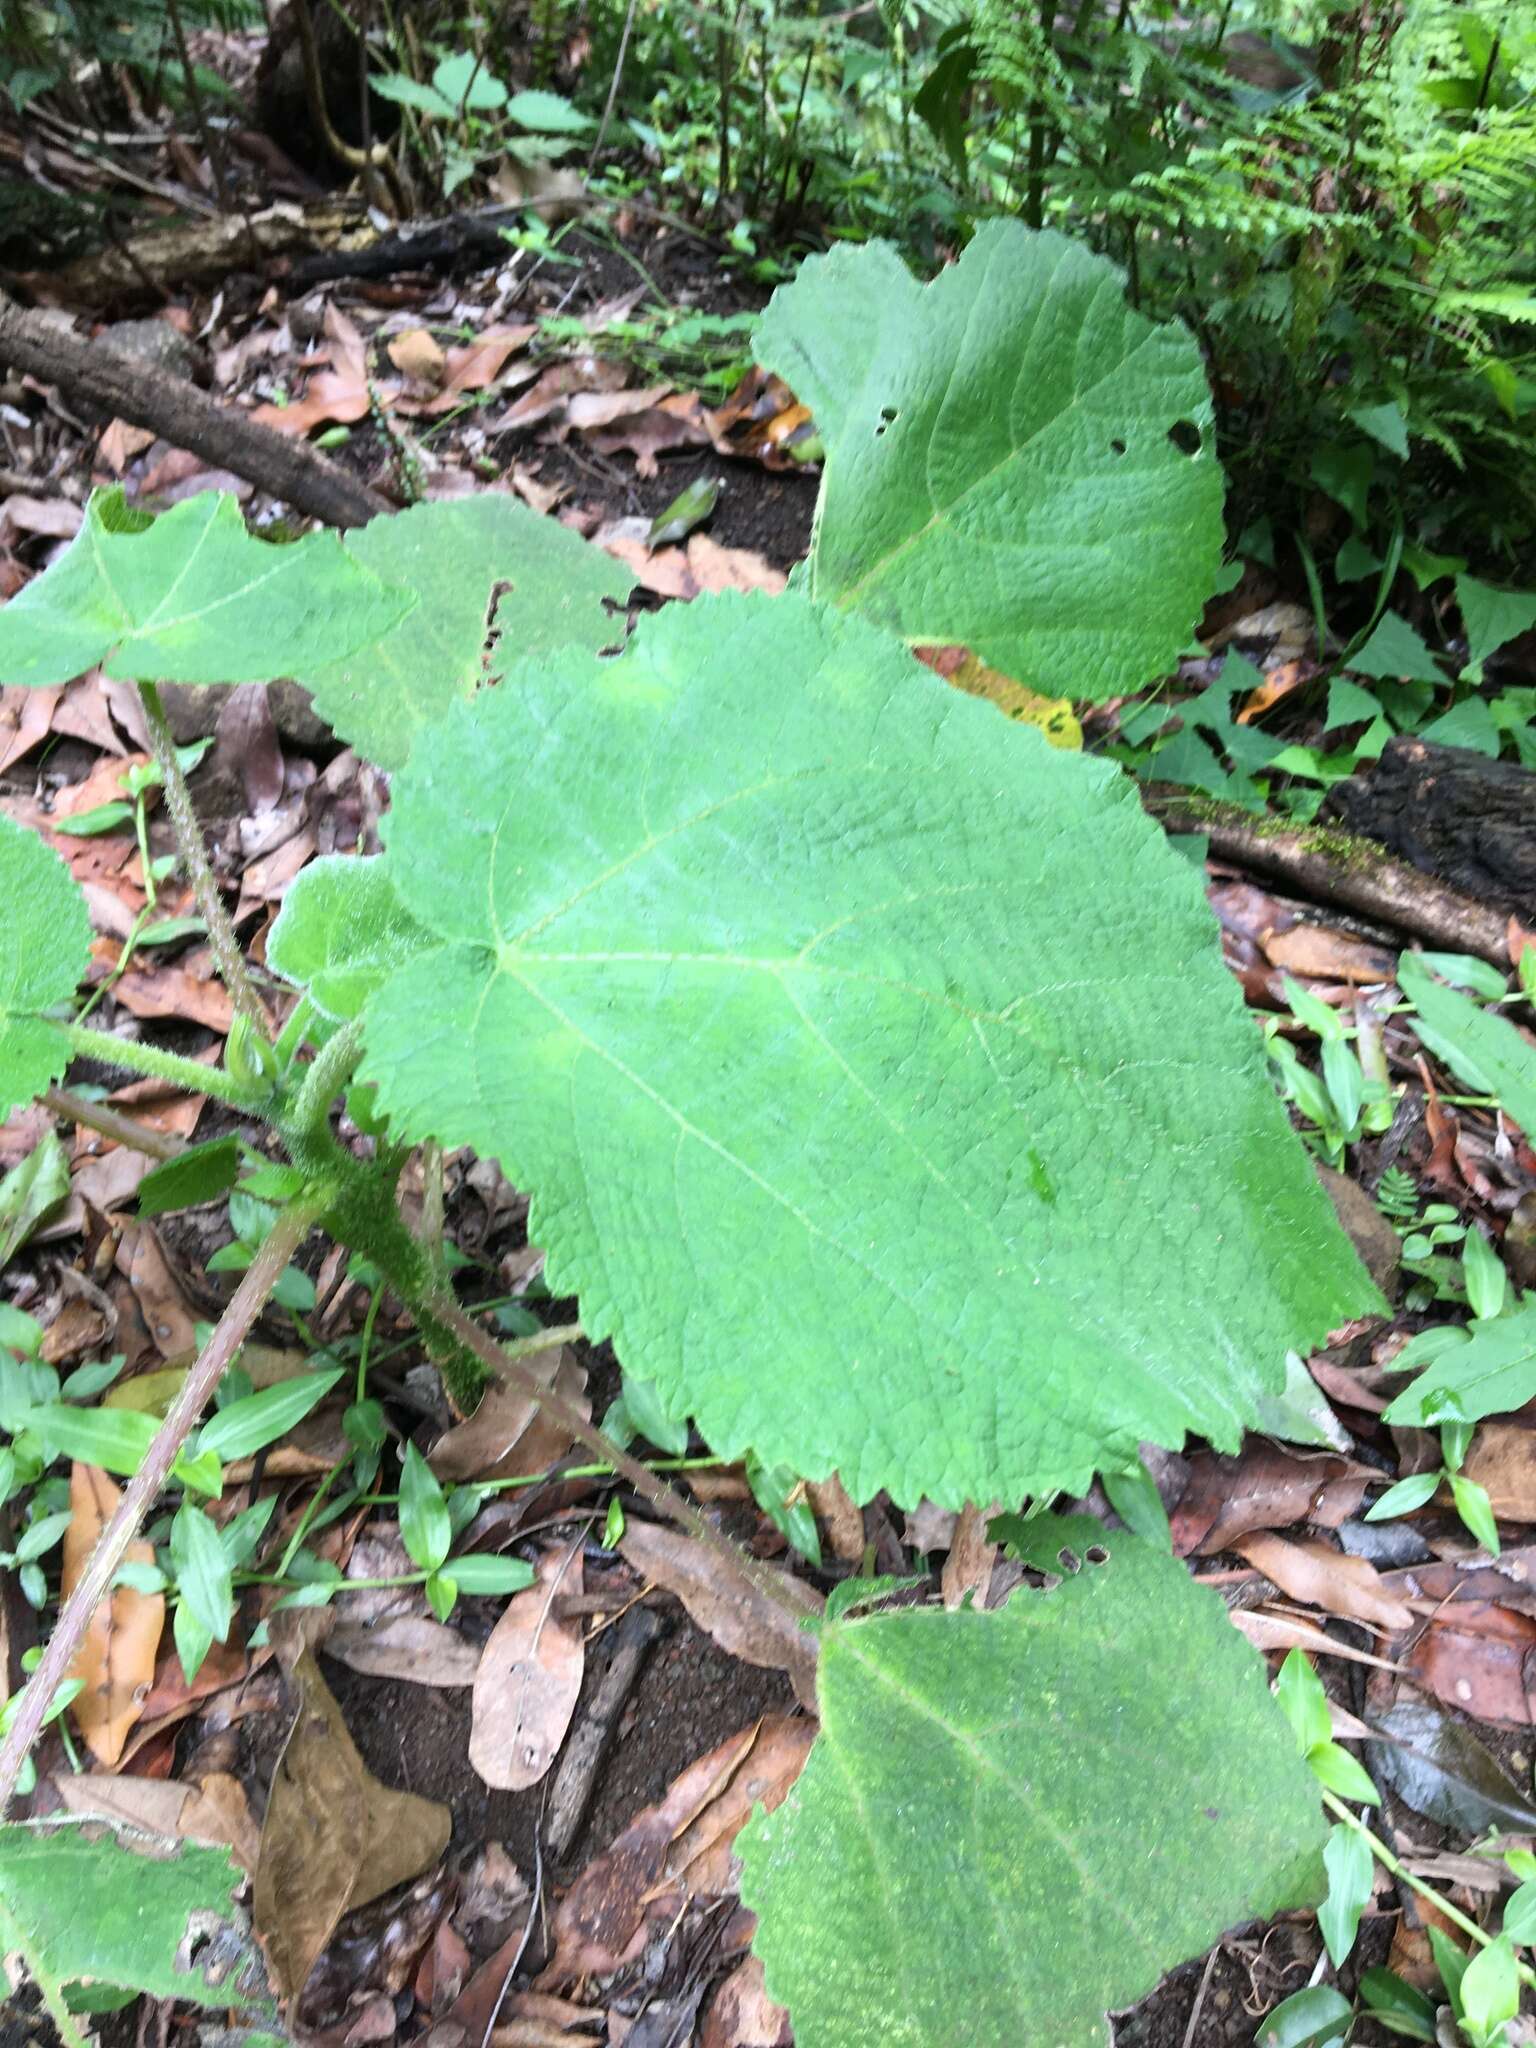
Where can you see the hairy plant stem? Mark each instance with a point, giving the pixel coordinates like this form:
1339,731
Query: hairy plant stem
1441,1904
134,1057
189,839
217,1355
111,1123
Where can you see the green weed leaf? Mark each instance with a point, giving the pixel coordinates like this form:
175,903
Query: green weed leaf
999,469
1493,1372
203,1577
191,598
425,1529
249,1425
45,948
738,977
1478,1044
1351,1868
382,694
1027,1760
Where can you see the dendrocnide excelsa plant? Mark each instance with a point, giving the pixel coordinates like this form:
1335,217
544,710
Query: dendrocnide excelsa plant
870,1065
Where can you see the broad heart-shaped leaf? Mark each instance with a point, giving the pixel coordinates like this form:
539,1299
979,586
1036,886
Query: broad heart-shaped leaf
82,1905
870,1063
454,555
191,597
341,931
45,948
1026,1817
999,465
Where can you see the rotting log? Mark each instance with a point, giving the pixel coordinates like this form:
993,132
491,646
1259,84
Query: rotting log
1452,813
1331,865
133,391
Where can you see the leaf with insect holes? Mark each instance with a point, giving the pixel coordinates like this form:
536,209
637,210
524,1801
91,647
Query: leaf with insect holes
341,931
191,597
1027,1816
45,948
761,949
381,695
1002,468
81,1905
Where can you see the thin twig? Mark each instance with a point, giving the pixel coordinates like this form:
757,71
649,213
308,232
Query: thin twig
613,88
111,1123
217,1355
227,955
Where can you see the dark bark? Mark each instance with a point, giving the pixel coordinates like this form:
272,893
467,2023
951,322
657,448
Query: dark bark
185,416
1455,814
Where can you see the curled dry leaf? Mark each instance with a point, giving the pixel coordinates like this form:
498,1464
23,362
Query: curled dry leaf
508,1436
968,1567
334,1837
529,1678
838,1515
679,1849
1318,1576
214,1812
417,356
116,1659
1263,1488
747,1623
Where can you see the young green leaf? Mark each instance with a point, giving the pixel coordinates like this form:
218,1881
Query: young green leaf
113,1438
1000,461
382,694
45,948
202,1570
31,1191
1483,1271
200,1174
341,931
425,1529
1476,1511
670,905
1406,1495
191,597
1135,1499
481,1573
1451,1961
1300,1697
1479,1045
1317,2017
1115,1717
1351,1868
1488,1370
1397,2004
1490,1993
249,1425
643,1406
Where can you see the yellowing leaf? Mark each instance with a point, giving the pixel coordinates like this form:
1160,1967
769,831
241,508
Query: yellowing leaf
1053,715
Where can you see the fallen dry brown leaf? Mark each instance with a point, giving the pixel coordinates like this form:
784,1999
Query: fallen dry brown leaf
742,2015
968,1567
214,1812
116,1659
1312,1572
474,366
842,1520
747,1623
680,1848
509,1436
1324,954
1264,1487
529,1678
334,1837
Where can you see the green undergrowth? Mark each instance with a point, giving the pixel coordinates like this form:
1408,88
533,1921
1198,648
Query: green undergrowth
869,1063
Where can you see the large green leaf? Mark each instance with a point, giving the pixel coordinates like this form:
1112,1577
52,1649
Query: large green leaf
454,555
1025,1818
45,948
341,931
191,597
999,464
80,1904
871,1064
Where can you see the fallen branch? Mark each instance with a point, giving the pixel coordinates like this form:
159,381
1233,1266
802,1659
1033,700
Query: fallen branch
185,416
1335,867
